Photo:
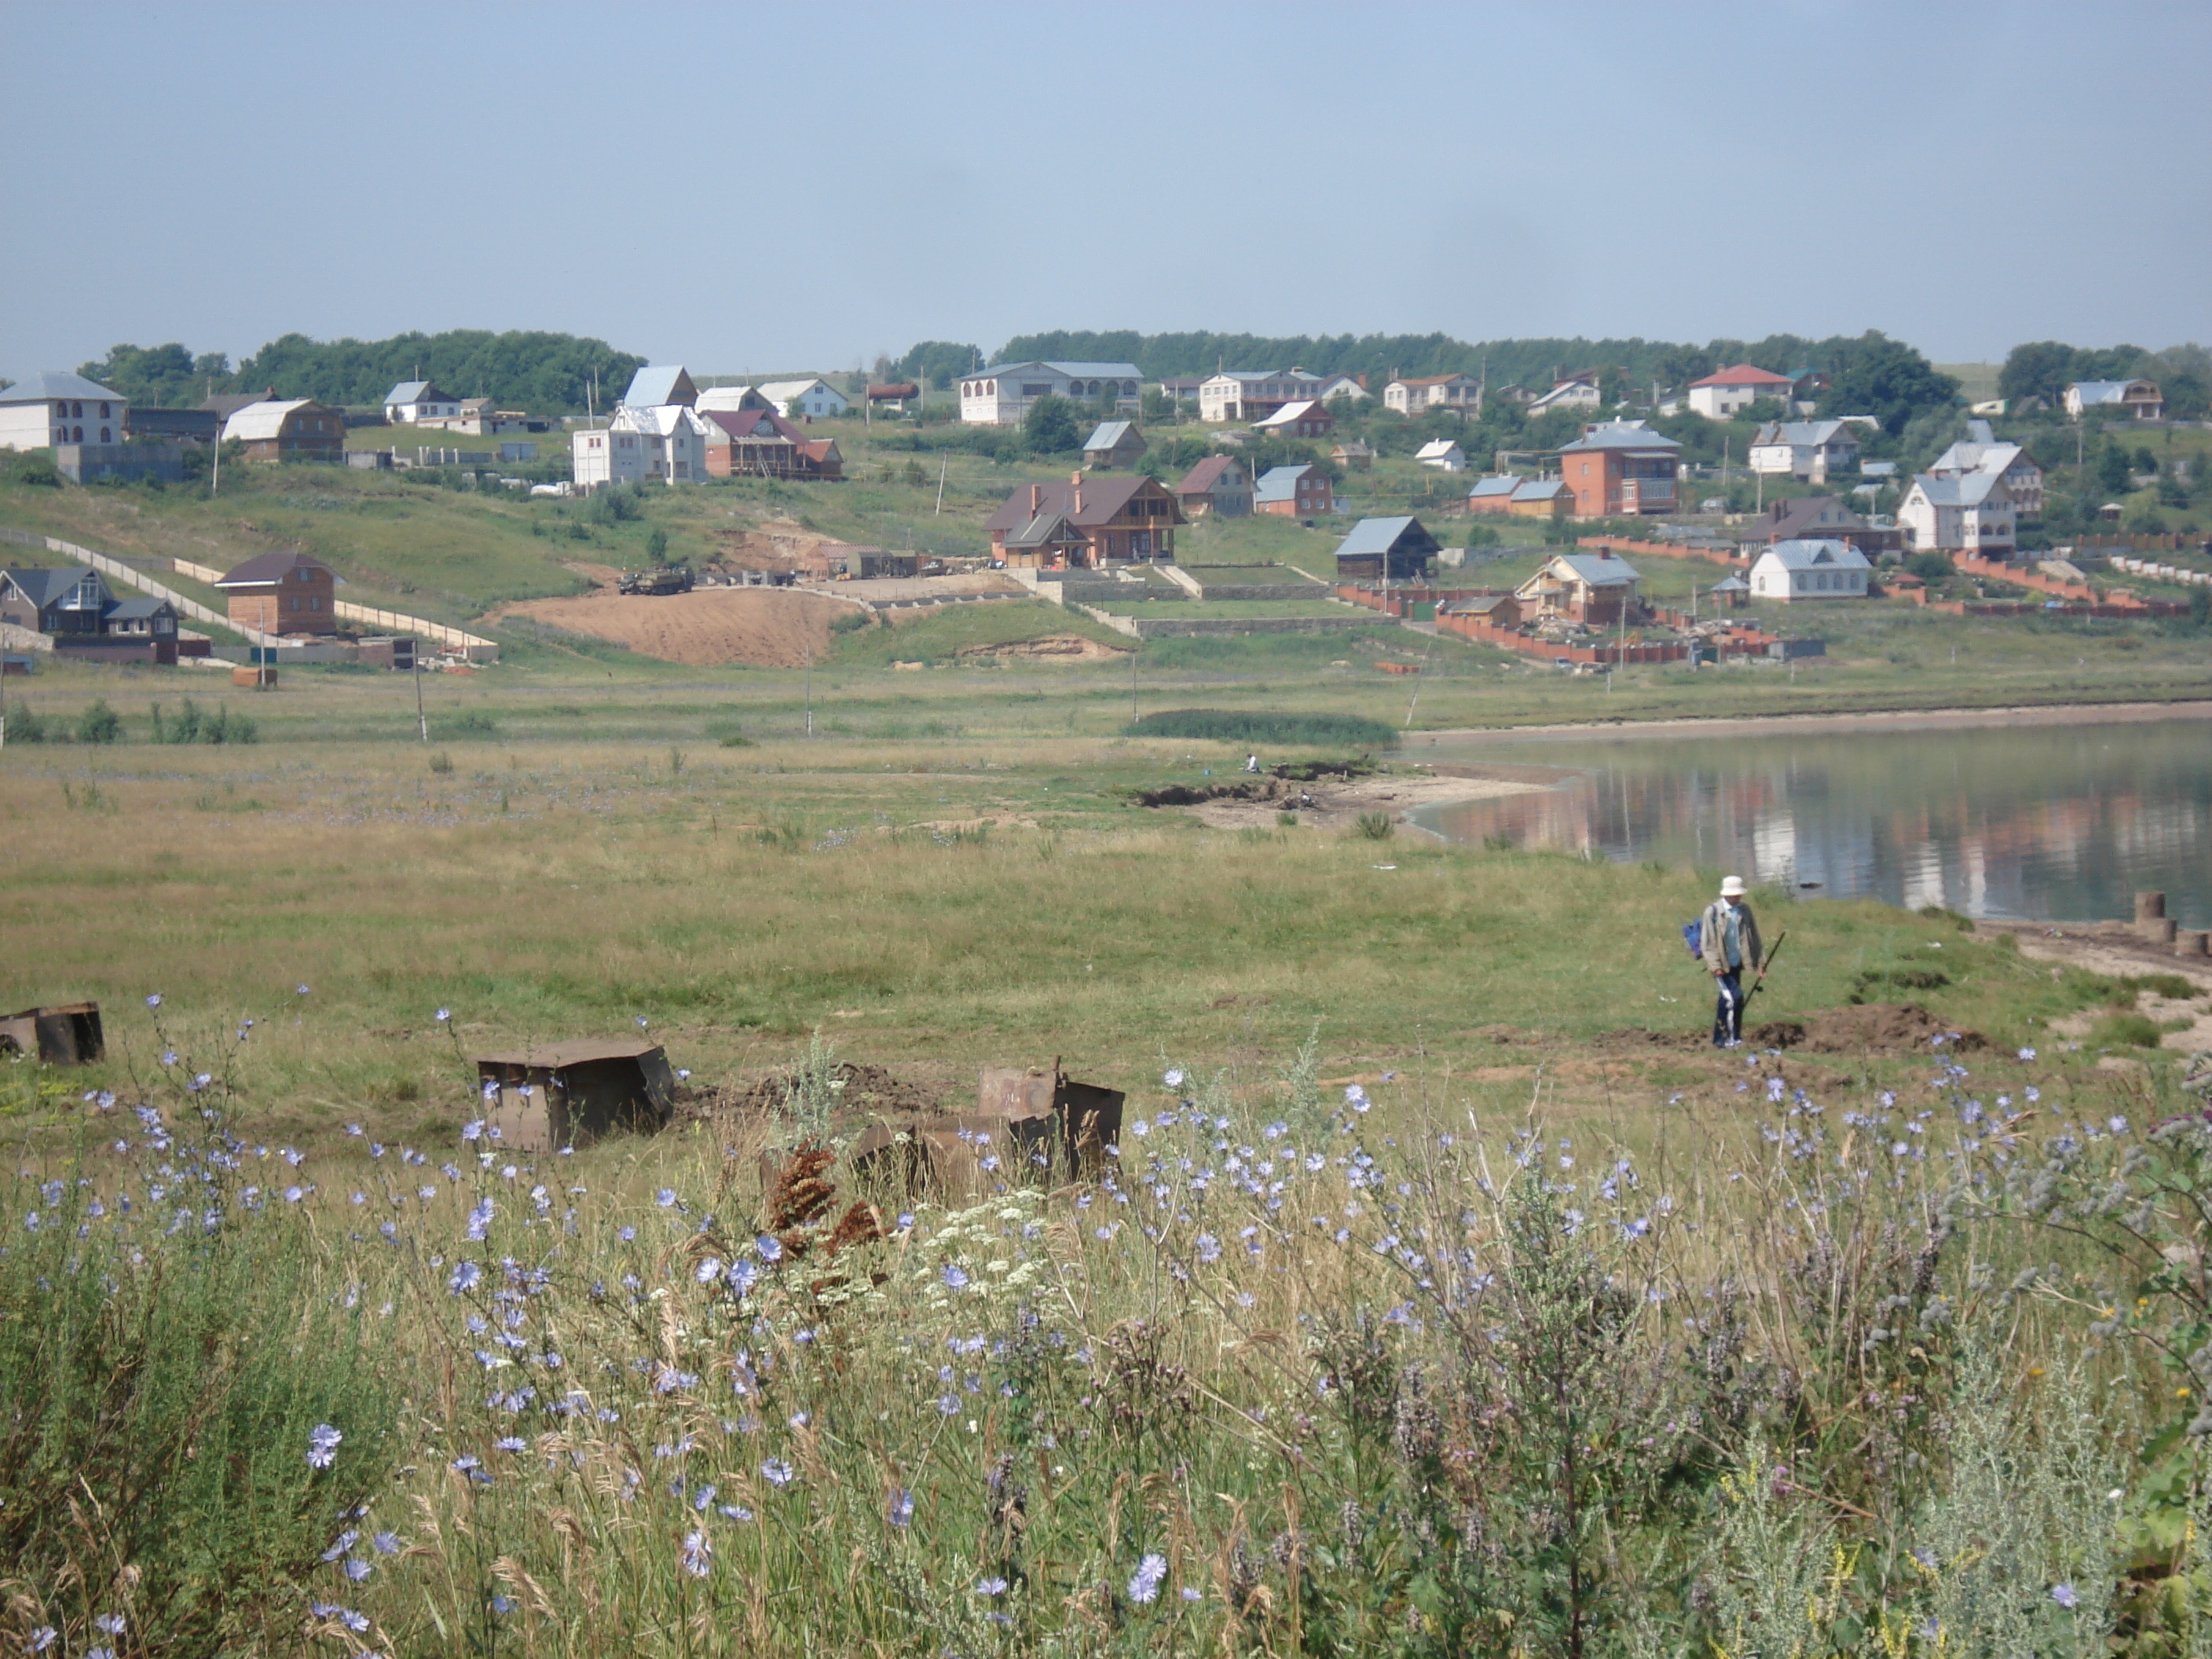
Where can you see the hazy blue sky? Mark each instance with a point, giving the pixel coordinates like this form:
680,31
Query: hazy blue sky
756,185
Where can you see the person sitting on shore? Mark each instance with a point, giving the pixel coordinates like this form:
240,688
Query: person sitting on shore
1728,941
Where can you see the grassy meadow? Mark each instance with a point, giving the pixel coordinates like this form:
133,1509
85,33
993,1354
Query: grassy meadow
1417,1313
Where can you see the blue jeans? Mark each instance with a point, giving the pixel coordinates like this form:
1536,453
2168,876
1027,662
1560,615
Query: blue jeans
1728,1010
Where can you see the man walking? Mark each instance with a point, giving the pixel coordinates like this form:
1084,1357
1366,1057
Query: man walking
1727,940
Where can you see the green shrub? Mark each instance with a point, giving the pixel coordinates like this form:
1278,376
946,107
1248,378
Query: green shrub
100,724
33,466
474,723
25,725
1374,826
1256,727
852,622
442,762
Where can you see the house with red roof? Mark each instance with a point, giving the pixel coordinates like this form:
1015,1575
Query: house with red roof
1723,395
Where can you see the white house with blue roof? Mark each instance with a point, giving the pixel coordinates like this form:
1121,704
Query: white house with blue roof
1810,568
52,407
1003,394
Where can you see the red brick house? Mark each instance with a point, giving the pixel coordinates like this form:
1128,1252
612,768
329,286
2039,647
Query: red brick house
1295,492
1132,518
282,593
759,443
1621,469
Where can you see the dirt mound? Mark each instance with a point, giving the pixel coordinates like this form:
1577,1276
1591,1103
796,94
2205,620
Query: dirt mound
1885,1029
870,1091
779,545
1899,1027
772,628
1049,647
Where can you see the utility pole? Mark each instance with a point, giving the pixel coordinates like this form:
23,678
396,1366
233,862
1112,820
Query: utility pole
809,693
1133,679
942,456
422,722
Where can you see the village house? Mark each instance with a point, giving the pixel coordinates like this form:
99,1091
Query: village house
1461,393
75,609
732,399
1354,387
1304,419
1118,519
1595,588
1180,388
1294,492
1003,395
1219,485
1621,469
282,594
1492,495
666,441
49,409
1813,450
1574,391
412,402
1113,444
289,430
1443,454
1542,498
1820,517
1725,395
1253,394
1499,610
1047,542
1970,512
1979,452
1353,455
813,398
2138,400
892,396
759,443
1386,551
1807,569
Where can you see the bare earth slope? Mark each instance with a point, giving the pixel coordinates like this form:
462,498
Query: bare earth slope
772,628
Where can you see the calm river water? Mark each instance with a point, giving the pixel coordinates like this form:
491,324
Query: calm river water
2063,821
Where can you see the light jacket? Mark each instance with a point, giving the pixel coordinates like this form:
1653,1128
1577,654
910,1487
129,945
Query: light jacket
1712,938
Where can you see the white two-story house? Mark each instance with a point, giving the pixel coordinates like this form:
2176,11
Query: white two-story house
52,409
1969,513
413,402
1980,452
1253,394
1002,395
666,442
1811,450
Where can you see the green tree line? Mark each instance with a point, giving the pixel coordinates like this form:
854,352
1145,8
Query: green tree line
2045,368
543,373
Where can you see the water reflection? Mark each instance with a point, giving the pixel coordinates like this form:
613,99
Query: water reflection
2054,822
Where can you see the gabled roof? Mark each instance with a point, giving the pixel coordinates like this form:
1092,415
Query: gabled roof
1596,572
417,391
1246,376
661,383
661,420
1437,449
1072,371
1504,485
1541,489
1431,379
1808,511
266,567
2088,392
44,588
1621,435
49,383
1730,585
1810,553
1962,490
1291,414
1109,435
782,392
264,419
753,425
1103,499
1043,531
1802,434
1744,375
1207,474
1379,535
1280,483
131,609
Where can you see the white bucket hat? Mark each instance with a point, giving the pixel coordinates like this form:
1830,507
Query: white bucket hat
1732,887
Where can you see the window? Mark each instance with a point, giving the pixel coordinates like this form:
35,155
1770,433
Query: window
79,438
77,411
104,438
295,601
314,602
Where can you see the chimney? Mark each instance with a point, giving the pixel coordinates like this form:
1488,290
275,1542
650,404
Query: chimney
1603,551
1036,499
1076,481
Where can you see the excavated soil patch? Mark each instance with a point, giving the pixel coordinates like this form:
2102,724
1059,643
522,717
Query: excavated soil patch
1877,1029
870,1091
1049,647
769,626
